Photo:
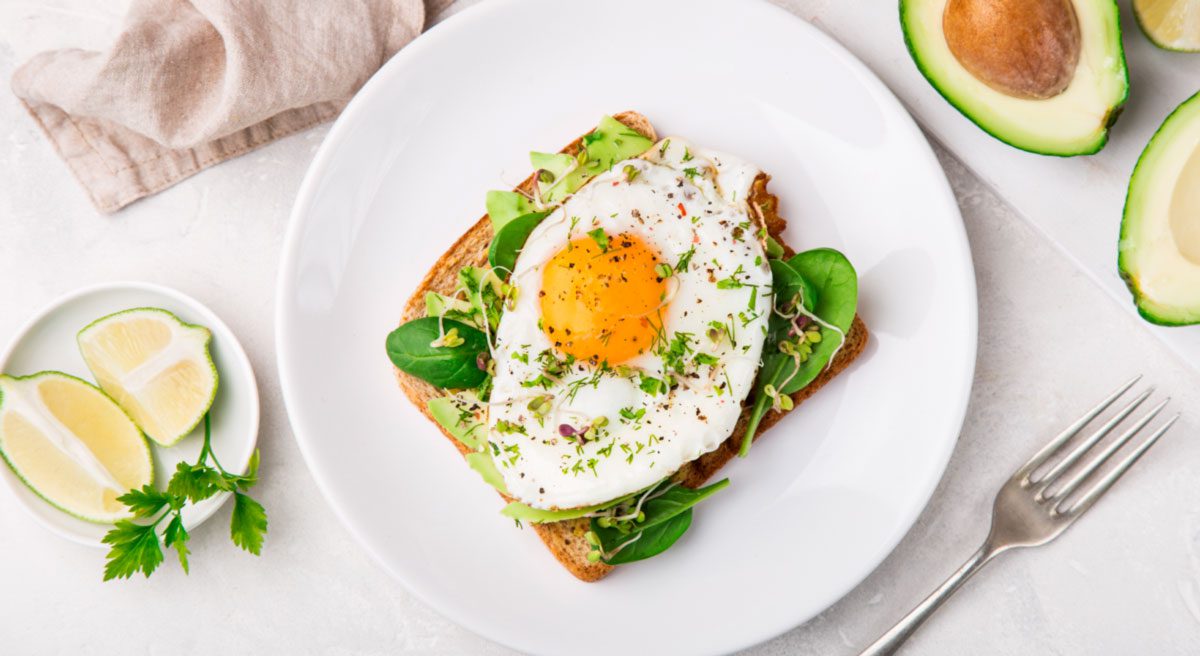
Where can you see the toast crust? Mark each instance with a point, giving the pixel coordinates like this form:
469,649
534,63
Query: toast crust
566,539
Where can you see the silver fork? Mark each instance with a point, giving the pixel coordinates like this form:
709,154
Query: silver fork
1032,507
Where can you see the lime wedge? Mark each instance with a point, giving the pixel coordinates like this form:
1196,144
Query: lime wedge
155,366
1170,24
71,444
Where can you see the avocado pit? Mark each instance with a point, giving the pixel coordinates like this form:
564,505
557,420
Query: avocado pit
1022,48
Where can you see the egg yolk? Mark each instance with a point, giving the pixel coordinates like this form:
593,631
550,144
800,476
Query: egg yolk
603,304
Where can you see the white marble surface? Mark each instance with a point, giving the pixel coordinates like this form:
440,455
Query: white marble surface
1125,580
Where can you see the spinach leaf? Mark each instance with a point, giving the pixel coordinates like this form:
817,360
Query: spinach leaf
652,541
504,206
665,508
787,283
680,498
675,501
450,367
775,368
509,241
658,508
836,282
829,286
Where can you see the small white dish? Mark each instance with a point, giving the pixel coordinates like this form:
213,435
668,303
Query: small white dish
47,342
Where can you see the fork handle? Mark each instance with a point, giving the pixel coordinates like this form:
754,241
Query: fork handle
889,642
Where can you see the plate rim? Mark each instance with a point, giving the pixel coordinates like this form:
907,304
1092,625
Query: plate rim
10,480
322,160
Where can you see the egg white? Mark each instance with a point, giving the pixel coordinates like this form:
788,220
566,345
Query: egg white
682,197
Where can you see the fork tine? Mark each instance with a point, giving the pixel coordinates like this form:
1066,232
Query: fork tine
1041,456
1083,447
1109,479
1097,461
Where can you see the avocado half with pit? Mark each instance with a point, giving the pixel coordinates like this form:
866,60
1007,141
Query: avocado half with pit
1159,252
1046,76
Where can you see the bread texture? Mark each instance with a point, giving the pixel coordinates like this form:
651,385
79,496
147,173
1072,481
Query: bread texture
566,539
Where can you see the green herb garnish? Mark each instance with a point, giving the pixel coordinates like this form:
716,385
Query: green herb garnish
135,547
685,259
732,282
601,238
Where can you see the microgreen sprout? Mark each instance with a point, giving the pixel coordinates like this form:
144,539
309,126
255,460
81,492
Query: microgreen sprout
449,339
716,332
541,405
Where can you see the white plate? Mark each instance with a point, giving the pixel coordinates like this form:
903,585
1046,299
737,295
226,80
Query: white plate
47,342
819,502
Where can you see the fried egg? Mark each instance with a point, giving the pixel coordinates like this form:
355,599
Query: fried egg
641,310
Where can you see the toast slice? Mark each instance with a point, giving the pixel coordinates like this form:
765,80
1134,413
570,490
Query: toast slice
566,539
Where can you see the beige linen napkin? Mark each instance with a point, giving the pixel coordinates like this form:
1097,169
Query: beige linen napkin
189,84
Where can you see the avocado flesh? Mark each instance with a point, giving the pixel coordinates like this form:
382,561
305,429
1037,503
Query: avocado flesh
1073,122
554,164
504,206
611,142
1160,233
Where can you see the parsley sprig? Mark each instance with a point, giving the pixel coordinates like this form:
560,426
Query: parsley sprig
135,547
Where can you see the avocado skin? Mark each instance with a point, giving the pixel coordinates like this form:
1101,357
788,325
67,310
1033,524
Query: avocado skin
1144,308
1147,308
1092,149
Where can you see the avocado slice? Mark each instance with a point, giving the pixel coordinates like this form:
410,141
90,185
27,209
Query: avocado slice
482,463
560,175
1159,251
612,141
504,206
509,241
550,166
522,512
1046,76
456,413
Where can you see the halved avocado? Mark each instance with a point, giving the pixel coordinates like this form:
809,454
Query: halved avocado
1159,251
1046,76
